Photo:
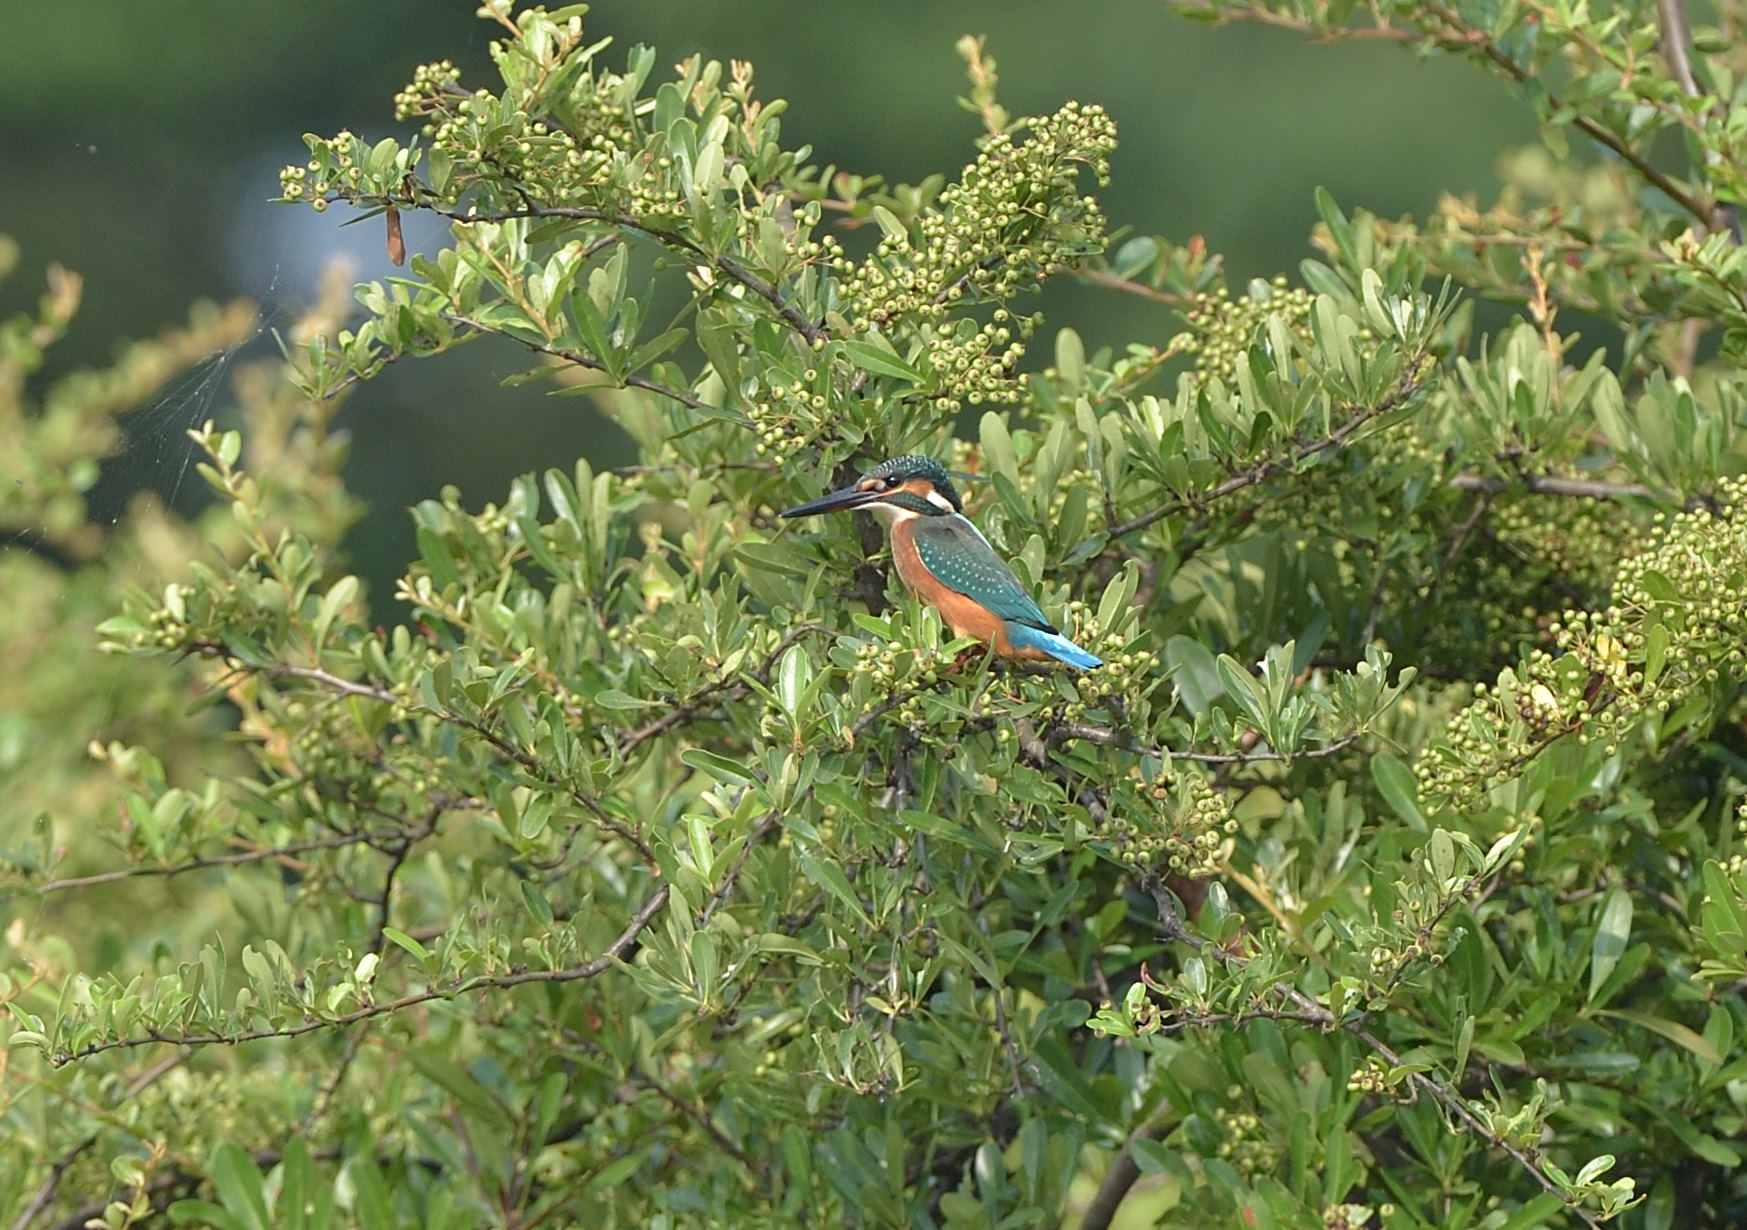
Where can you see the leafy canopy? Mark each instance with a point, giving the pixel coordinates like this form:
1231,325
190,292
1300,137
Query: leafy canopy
641,862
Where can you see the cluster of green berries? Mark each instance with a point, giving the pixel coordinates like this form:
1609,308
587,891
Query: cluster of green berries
1123,661
1222,329
1387,962
1247,1147
430,91
787,419
1735,864
1691,586
1184,826
1426,905
1014,218
168,624
979,364
1373,1077
1146,1014
563,161
1507,583
188,614
332,170
324,742
891,668
548,161
885,664
1503,726
824,250
1581,545
1348,1216
1695,581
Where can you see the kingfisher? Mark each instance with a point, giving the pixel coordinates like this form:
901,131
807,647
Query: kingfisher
945,560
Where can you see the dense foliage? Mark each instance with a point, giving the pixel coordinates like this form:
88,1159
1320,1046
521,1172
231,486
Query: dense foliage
642,862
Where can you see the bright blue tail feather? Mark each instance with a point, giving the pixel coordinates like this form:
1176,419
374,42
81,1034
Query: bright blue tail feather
1056,646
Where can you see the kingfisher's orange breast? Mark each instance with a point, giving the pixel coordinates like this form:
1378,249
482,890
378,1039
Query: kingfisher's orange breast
965,616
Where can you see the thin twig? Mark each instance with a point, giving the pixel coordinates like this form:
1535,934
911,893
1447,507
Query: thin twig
45,1191
721,690
1015,1078
1282,21
729,268
699,1117
331,1086
765,827
1270,466
1089,733
1129,286
484,982
531,764
1355,1025
589,362
1546,484
397,857
222,860
1471,39
1121,1176
1458,36
1676,40
1458,541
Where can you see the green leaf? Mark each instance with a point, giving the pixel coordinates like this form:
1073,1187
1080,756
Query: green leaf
1674,1031
1194,672
535,540
1395,782
1655,652
402,940
614,1173
780,558
998,455
461,1085
1546,1209
435,552
829,876
339,594
294,1176
538,907
719,767
203,1213
793,674
1062,1078
1242,687
239,1186
373,1206
1150,1156
613,698
1612,933
880,361
1339,229
890,225
941,829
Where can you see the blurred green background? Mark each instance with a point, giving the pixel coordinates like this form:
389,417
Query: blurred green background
141,143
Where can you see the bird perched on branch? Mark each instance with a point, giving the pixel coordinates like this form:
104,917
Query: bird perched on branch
946,561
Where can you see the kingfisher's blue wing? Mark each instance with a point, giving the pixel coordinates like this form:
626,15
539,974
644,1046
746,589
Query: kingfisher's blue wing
962,560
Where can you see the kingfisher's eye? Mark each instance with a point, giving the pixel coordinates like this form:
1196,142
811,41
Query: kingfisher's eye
891,482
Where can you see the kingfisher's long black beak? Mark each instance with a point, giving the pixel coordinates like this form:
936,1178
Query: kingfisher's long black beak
849,497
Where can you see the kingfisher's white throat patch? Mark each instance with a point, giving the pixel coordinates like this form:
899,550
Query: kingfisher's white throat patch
891,514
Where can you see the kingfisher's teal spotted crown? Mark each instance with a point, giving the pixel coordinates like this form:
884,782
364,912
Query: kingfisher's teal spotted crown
914,465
